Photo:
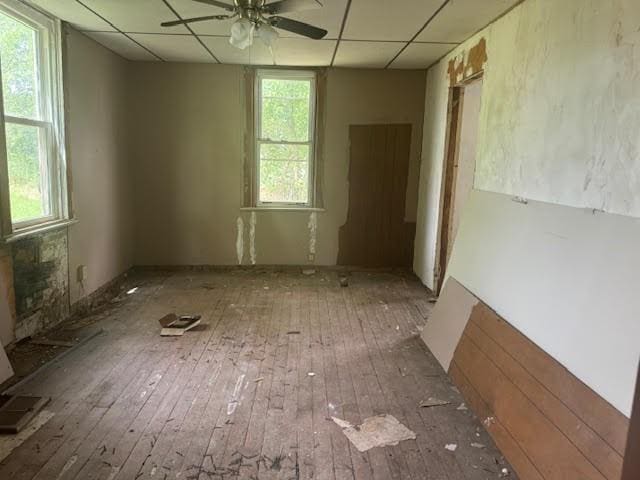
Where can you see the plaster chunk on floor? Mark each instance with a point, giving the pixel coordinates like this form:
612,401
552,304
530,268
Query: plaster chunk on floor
378,431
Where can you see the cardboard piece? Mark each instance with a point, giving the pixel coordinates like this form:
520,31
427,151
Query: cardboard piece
448,320
174,326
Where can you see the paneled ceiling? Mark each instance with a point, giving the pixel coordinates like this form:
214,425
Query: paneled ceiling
411,34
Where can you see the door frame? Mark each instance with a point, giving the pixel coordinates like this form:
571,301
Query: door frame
449,175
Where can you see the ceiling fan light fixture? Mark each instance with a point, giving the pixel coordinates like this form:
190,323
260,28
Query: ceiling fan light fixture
241,33
267,34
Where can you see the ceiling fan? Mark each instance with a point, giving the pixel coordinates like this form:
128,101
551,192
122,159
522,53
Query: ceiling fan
260,18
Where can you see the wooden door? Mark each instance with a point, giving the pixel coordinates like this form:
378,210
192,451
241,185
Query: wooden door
375,233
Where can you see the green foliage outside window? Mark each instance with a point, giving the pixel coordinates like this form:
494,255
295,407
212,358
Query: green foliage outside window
20,97
285,117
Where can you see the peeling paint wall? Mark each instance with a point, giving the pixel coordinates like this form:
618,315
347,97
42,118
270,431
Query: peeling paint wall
560,112
7,296
41,282
559,123
36,287
240,239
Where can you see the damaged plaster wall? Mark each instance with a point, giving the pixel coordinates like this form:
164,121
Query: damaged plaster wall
41,282
559,123
560,112
96,86
190,125
7,296
35,278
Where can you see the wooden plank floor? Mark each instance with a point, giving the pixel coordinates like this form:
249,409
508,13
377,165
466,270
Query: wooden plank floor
251,395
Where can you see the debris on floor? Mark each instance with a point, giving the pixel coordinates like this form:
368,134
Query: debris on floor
478,445
462,407
308,271
16,411
174,326
52,343
378,431
434,402
8,443
452,447
344,281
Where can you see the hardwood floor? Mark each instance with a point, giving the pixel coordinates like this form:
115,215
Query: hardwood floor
251,395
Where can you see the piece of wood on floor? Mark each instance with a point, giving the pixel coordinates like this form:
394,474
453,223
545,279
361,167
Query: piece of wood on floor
17,411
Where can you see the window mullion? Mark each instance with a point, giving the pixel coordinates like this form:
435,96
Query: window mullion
27,121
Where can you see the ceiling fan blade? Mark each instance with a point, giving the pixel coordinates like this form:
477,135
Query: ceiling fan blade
184,21
300,28
216,3
285,6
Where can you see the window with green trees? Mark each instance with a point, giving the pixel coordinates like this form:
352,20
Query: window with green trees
285,120
28,60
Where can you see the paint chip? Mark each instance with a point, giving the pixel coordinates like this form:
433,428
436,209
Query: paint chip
378,431
452,447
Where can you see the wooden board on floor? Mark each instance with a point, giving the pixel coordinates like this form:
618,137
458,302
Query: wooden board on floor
548,423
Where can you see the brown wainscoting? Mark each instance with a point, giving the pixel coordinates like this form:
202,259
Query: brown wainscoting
548,424
375,233
632,454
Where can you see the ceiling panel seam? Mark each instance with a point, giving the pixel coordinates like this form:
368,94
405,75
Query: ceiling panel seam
192,32
344,22
431,18
120,31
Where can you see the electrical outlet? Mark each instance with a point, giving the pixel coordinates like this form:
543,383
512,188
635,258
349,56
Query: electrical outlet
82,273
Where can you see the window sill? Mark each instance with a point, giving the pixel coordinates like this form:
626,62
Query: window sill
281,209
39,229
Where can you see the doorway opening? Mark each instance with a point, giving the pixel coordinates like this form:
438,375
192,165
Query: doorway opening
460,165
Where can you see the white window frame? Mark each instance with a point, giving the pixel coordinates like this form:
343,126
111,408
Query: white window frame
51,123
278,74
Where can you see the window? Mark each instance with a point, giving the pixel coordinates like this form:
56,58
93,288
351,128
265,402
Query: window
33,161
285,137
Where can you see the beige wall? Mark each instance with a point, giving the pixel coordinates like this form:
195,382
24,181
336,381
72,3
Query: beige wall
187,162
95,89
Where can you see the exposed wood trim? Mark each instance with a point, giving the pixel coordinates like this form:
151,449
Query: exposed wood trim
454,118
